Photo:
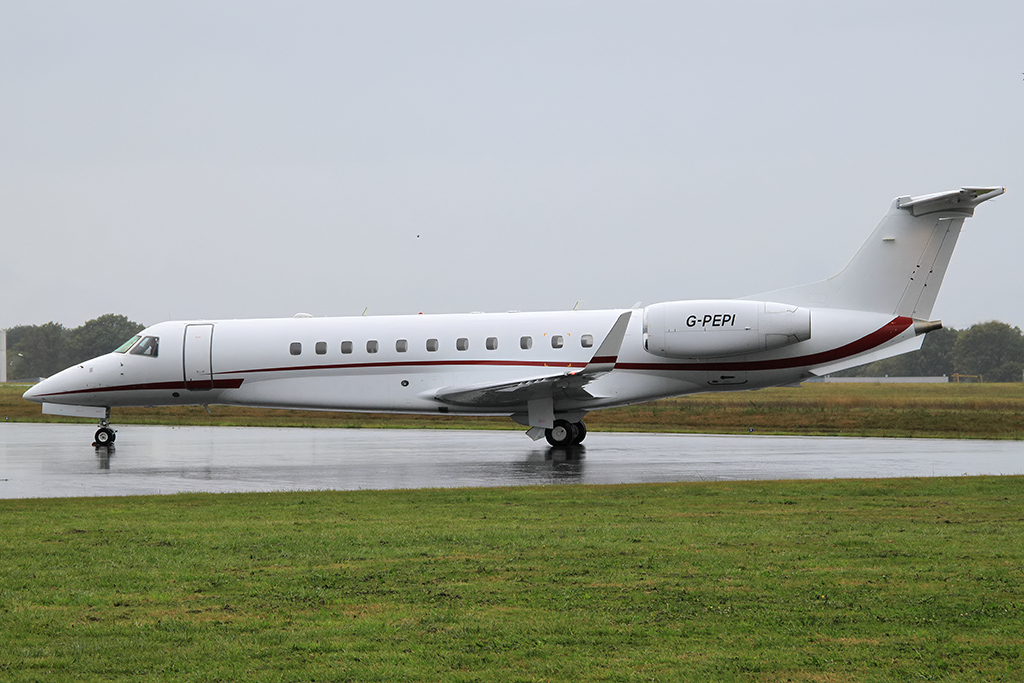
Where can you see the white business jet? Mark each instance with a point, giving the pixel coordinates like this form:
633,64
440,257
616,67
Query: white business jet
544,370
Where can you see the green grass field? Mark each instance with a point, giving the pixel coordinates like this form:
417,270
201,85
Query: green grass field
830,581
984,411
890,580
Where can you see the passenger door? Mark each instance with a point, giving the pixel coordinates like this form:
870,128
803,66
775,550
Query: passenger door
198,357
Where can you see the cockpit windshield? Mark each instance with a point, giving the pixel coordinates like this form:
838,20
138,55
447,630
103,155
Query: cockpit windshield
148,346
128,344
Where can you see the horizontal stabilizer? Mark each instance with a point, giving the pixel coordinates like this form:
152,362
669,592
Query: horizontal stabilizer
963,200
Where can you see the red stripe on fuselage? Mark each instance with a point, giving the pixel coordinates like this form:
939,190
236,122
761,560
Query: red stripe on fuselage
232,383
880,336
891,330
414,364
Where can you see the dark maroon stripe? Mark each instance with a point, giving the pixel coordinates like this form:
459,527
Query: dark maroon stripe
891,330
232,383
414,364
886,333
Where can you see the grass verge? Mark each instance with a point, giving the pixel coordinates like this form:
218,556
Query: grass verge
985,411
881,580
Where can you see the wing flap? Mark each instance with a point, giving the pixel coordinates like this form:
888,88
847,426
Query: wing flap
517,393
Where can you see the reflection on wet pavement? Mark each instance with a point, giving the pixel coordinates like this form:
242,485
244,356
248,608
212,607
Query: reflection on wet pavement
55,460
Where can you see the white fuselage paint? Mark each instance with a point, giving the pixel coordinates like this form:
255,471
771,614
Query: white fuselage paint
577,361
252,363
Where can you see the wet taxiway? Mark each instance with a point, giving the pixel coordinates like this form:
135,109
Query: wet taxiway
56,460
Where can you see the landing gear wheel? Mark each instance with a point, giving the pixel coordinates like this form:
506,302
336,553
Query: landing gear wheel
105,436
562,434
581,433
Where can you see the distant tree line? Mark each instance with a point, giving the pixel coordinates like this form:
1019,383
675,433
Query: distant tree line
42,350
993,350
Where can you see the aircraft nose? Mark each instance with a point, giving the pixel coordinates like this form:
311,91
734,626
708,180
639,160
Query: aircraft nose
35,392
46,389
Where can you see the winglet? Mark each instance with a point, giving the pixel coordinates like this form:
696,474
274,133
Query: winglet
543,394
606,355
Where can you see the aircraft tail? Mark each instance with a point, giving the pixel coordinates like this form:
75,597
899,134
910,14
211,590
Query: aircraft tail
901,266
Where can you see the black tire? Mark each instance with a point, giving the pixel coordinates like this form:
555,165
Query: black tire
581,433
105,436
562,434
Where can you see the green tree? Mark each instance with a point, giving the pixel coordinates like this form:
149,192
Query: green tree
993,350
40,351
43,350
16,363
933,360
99,336
936,355
16,334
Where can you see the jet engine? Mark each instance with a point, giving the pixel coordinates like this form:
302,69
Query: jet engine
713,328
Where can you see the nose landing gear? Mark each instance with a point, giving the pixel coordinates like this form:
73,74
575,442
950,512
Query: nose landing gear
105,436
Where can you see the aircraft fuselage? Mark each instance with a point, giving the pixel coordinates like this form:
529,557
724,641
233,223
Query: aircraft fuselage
545,370
400,363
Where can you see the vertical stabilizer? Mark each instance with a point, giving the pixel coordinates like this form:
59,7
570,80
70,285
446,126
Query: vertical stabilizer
901,266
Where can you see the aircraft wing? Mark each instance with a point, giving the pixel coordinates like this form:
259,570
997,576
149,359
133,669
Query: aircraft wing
562,385
570,384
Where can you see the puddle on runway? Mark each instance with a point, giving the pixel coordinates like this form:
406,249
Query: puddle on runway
57,460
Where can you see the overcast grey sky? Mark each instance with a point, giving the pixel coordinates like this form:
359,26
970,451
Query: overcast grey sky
247,159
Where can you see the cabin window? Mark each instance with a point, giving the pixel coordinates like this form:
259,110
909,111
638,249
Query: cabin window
321,348
557,341
526,343
402,345
587,341
462,344
431,345
492,344
346,347
295,349
149,346
128,344
372,346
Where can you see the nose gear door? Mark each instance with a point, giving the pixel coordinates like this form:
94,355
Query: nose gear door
198,357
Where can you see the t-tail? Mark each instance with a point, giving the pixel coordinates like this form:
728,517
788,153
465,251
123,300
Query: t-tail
900,268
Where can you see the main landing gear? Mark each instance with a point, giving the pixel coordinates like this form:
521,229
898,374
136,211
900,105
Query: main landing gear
565,433
105,436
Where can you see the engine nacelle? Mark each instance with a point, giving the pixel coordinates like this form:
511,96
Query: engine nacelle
712,328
